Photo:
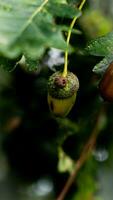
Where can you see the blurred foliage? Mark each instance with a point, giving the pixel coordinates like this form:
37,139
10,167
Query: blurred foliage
37,150
29,27
95,23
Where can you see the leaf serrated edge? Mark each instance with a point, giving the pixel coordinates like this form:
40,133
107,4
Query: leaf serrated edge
101,67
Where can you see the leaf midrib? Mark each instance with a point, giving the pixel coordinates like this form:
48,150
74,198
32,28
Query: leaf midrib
30,19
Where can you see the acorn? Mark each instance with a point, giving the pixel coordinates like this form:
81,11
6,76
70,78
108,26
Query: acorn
106,84
62,93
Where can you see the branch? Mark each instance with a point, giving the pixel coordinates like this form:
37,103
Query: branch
84,155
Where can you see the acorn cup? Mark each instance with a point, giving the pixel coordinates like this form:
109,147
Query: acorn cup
62,93
106,84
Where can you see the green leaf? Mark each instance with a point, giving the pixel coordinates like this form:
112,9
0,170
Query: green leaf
58,1
27,27
73,2
65,164
102,46
8,64
63,10
29,64
101,67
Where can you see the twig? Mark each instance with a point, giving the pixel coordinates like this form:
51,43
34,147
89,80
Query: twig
83,157
64,74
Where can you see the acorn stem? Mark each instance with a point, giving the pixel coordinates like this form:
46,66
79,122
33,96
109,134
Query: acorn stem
64,74
82,4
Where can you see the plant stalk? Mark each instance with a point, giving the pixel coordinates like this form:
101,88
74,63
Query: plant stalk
64,74
85,154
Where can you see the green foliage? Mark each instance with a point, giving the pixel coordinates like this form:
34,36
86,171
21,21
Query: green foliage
102,46
62,10
95,23
65,164
35,143
8,64
29,27
86,182
73,2
28,63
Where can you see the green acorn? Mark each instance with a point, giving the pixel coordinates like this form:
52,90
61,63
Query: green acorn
62,93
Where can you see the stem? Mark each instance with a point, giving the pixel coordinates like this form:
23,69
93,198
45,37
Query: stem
82,4
64,74
83,157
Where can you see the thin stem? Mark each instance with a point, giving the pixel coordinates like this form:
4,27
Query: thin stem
82,4
64,74
66,52
83,157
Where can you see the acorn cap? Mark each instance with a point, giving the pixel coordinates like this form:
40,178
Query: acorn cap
60,87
